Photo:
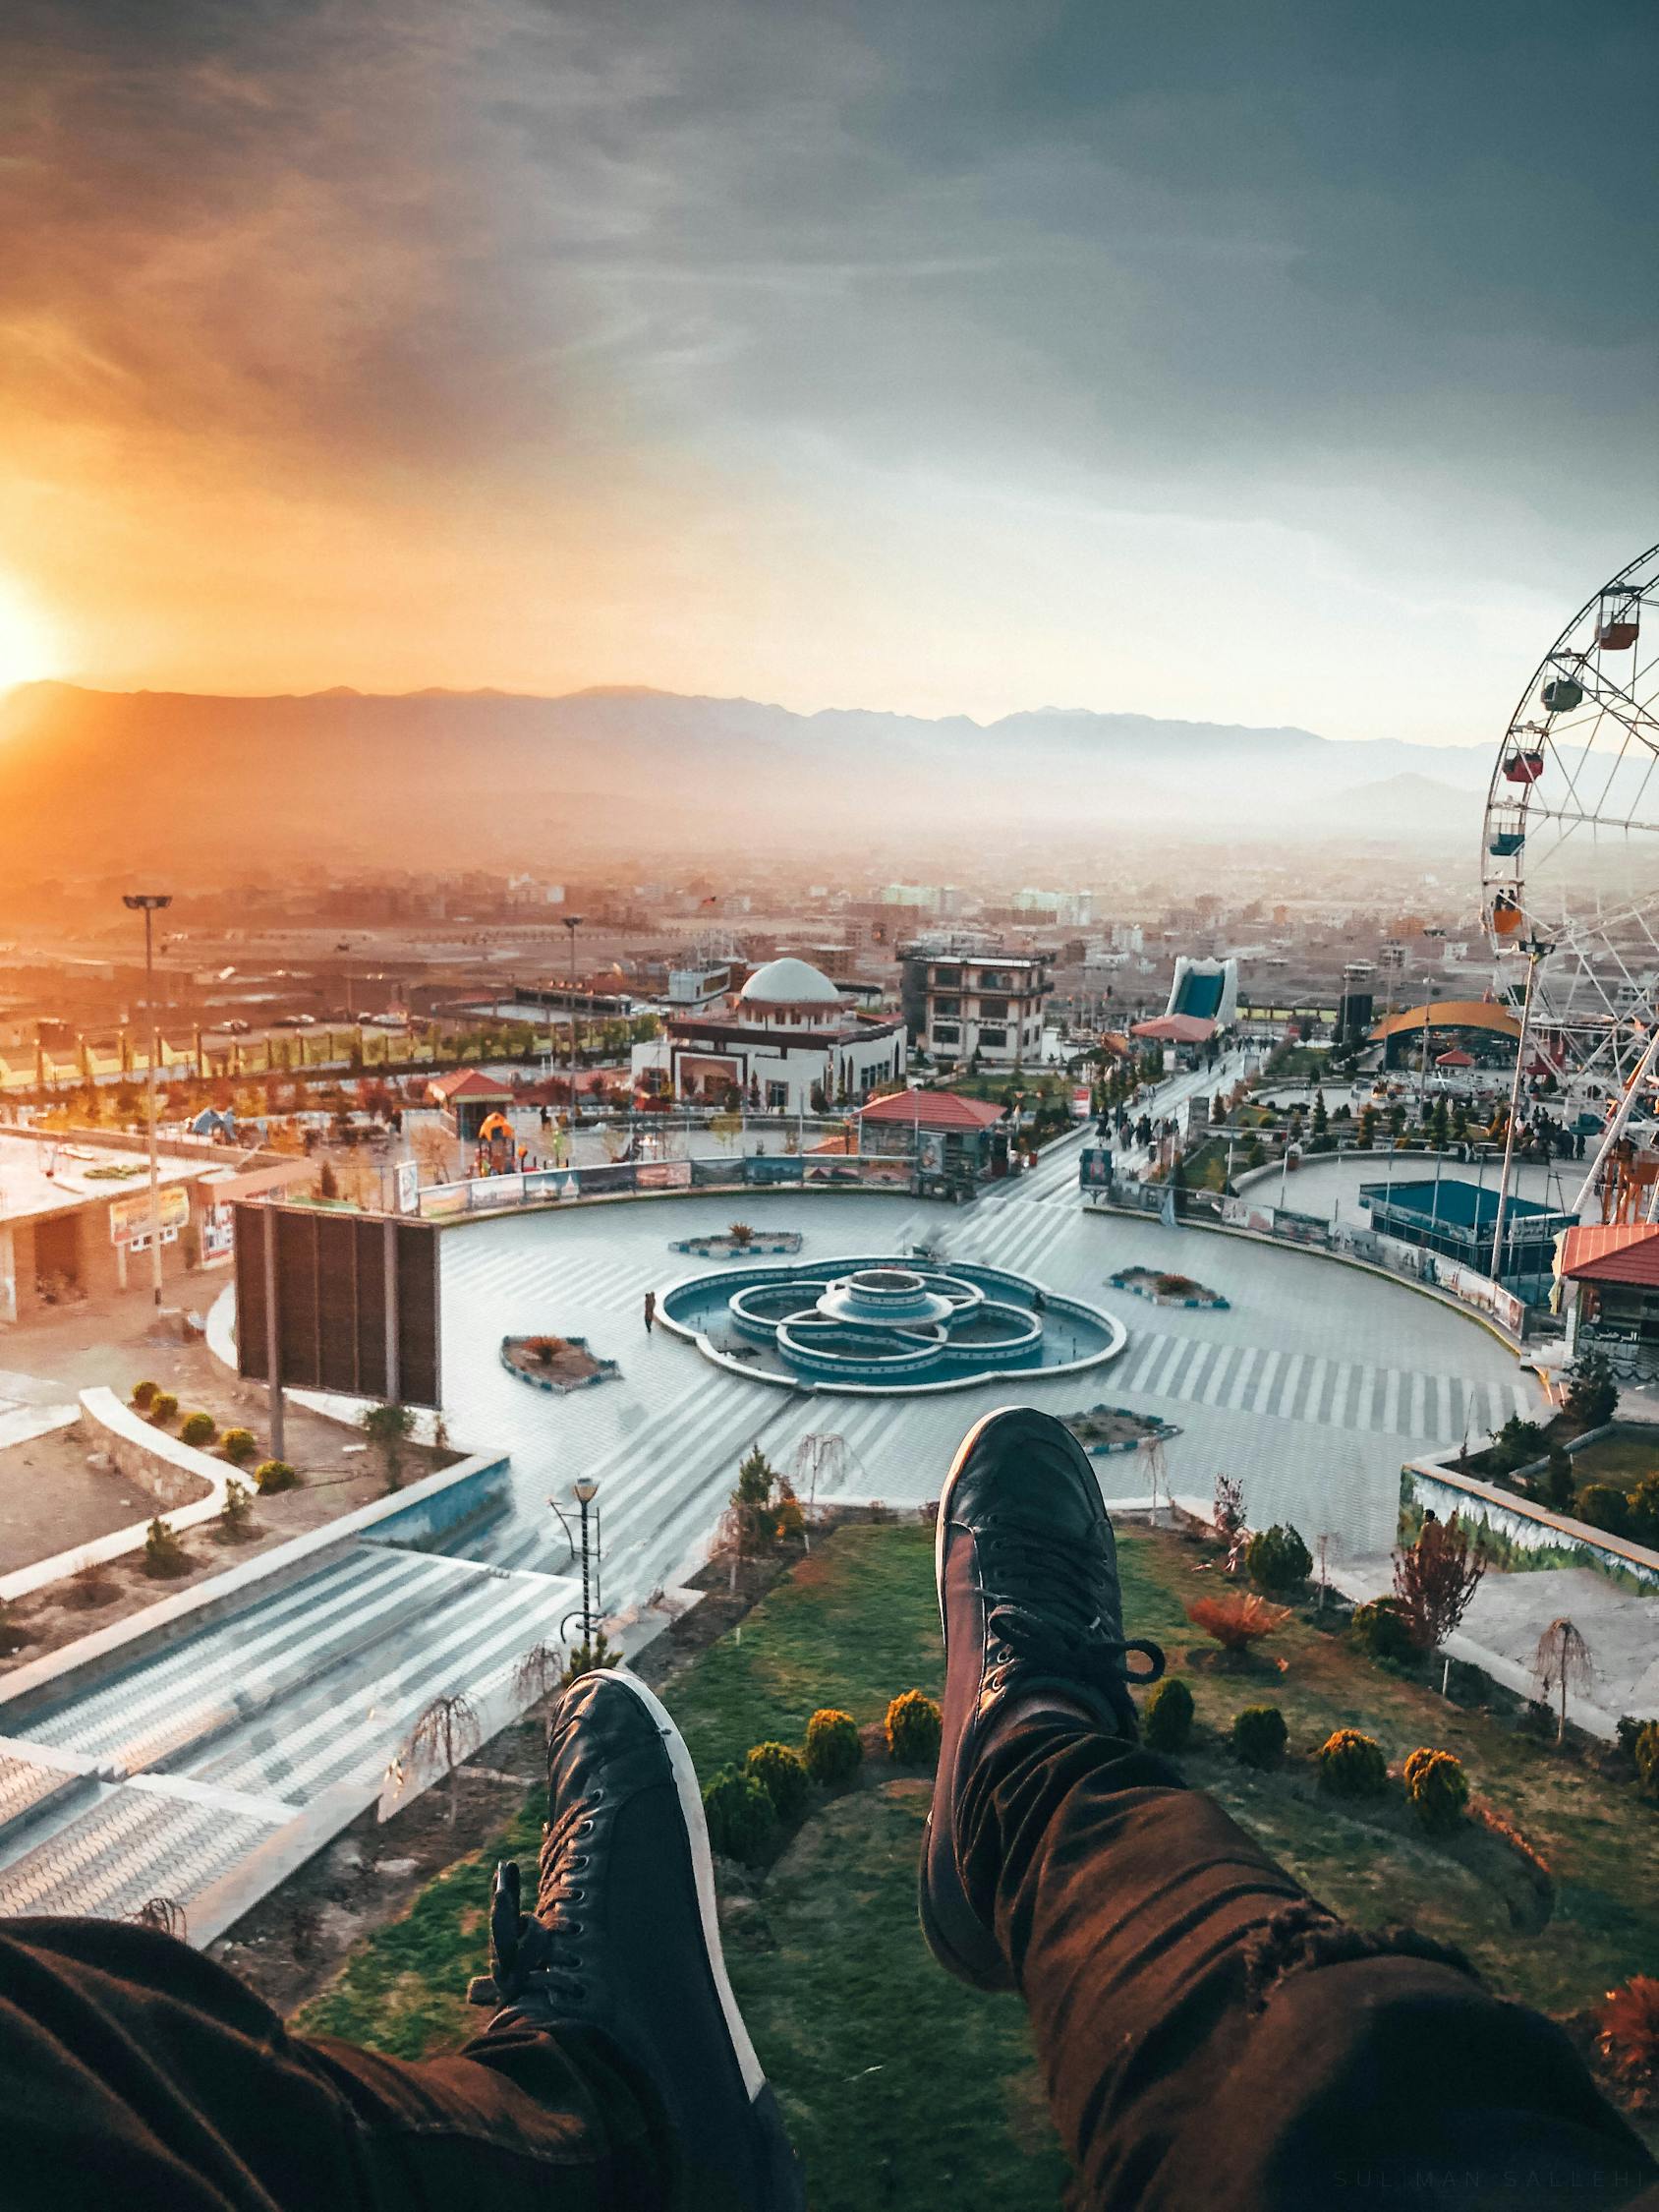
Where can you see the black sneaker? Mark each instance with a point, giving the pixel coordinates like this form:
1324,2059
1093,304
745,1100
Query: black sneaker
624,1939
1029,1603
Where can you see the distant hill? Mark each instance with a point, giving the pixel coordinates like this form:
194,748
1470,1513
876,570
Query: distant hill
436,777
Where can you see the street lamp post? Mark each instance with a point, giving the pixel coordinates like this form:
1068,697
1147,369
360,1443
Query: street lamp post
586,1489
149,903
572,923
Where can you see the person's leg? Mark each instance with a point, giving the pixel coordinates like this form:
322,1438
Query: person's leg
134,2072
1211,2038
618,2073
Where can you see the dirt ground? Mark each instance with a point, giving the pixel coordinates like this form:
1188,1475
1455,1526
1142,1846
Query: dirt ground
50,1499
117,1348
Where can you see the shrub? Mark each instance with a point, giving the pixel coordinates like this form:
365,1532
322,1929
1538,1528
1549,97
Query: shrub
545,1349
1169,1716
782,1773
1645,1752
273,1475
740,1815
238,1446
1277,1560
237,1512
1237,1621
164,1556
1438,1790
1380,1627
833,1747
1630,2028
1173,1286
388,1427
197,1429
1352,1765
1604,1506
163,1407
1259,1735
144,1395
912,1728
740,1233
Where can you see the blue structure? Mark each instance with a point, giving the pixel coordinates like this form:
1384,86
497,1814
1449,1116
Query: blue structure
881,1325
1456,1220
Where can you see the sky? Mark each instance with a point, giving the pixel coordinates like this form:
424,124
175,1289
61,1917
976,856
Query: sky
1292,362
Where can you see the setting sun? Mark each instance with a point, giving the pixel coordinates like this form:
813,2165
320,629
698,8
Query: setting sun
28,646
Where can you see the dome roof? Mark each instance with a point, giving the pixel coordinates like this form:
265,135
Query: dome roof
789,982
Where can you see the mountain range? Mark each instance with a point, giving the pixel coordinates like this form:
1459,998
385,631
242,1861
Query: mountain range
430,778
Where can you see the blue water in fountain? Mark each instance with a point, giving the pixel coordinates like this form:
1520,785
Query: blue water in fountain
881,1325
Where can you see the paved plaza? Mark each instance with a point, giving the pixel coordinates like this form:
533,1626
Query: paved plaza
1312,1389
190,1774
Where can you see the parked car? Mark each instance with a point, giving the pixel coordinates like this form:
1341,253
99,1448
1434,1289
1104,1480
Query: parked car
295,1022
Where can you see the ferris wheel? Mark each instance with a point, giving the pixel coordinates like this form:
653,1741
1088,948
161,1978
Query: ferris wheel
1569,852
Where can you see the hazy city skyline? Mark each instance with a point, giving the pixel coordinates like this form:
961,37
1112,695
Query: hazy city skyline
1239,366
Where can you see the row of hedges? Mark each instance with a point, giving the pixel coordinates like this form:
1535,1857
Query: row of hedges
197,1429
751,1808
1351,1764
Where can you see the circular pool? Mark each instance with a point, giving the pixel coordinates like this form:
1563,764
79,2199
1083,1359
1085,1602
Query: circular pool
873,1325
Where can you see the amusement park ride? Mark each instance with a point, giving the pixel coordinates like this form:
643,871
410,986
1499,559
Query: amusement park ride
1569,868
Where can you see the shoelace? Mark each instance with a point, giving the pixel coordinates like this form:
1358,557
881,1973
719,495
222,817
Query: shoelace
1042,1607
528,1953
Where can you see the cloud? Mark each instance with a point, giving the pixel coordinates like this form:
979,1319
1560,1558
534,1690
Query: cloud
619,325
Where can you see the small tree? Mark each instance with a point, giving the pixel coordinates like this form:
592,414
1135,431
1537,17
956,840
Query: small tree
589,1659
1592,1394
1434,1580
165,1557
1352,1765
1259,1736
761,1511
1562,1661
236,1515
388,1427
1277,1560
1169,1716
1366,1131
782,1773
912,1730
1227,1512
537,1673
1437,1790
833,1751
445,1732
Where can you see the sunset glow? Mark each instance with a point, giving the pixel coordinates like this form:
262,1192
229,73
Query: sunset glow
29,644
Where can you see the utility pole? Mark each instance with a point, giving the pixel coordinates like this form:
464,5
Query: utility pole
149,903
572,923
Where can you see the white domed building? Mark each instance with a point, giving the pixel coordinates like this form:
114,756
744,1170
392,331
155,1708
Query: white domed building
787,1032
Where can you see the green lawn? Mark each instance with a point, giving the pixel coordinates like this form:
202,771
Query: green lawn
902,2087
1623,1459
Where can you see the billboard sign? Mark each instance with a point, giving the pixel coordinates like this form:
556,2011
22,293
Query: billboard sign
338,1301
129,1218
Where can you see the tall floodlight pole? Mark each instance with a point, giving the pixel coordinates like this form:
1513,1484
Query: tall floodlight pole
1535,951
572,923
149,903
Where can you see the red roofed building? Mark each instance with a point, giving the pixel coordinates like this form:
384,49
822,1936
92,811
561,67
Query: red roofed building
468,1099
1609,1285
955,1140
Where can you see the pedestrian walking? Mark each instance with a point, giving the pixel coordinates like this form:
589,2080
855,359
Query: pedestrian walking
650,1311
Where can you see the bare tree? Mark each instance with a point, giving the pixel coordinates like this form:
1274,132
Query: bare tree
538,1674
165,1914
1562,1661
444,1733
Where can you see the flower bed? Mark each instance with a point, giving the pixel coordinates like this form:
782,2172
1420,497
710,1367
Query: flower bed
727,1246
1167,1290
1104,1430
569,1366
